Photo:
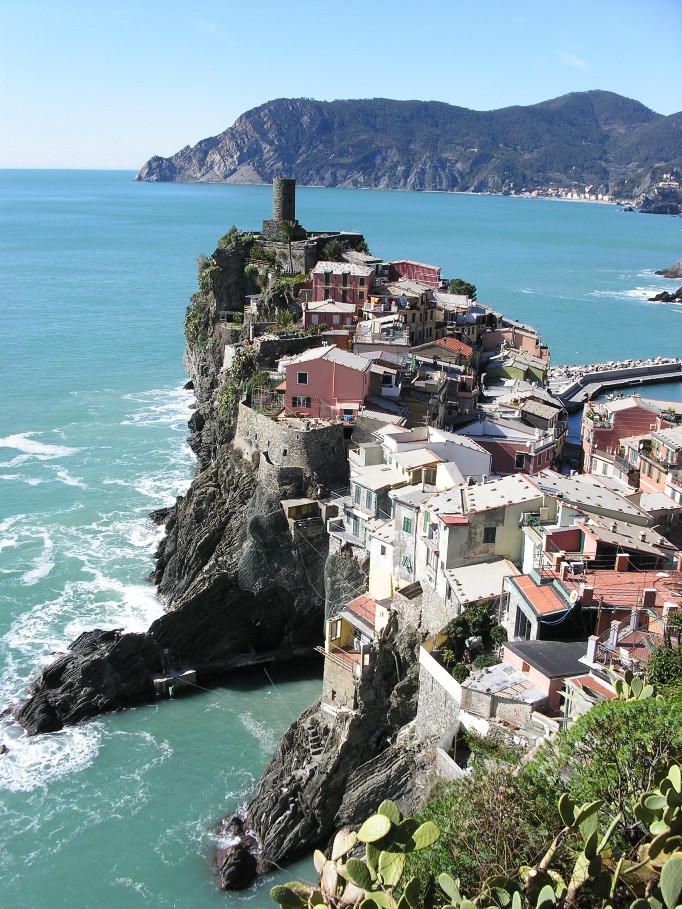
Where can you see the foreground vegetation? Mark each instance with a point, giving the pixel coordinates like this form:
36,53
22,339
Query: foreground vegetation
594,818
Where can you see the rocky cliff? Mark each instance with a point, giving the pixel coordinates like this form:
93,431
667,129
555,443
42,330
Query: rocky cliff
331,765
229,570
585,138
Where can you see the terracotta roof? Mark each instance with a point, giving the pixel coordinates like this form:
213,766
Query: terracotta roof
455,346
365,607
542,598
590,685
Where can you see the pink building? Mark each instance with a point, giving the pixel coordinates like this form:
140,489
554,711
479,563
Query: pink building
326,383
329,313
343,282
414,271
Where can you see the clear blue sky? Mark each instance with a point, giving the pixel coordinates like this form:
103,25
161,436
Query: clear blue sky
109,83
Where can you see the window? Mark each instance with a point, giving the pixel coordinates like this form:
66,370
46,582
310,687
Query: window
356,495
489,534
407,525
327,277
368,499
519,460
301,378
297,401
344,296
314,319
523,625
383,550
362,284
335,632
386,378
336,320
427,517
344,279
361,295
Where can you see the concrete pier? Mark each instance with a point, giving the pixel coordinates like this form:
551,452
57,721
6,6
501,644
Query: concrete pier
576,384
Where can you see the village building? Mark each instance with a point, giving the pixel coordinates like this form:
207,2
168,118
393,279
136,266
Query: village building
343,282
329,314
349,636
607,423
515,446
325,383
414,271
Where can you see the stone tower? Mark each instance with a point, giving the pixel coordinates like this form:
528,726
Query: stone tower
283,199
283,209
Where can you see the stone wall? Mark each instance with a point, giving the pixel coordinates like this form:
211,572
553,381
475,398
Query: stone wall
338,685
439,695
319,452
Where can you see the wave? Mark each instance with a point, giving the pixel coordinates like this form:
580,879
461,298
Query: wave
18,478
33,762
640,294
42,565
23,442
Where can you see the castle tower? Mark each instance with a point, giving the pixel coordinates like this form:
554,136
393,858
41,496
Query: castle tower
283,199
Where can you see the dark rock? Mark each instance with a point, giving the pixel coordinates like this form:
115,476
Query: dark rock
667,297
160,515
305,793
675,271
236,868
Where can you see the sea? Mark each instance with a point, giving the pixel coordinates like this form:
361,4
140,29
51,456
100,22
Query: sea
95,273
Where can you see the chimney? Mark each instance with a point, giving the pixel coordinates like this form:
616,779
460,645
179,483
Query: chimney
614,527
587,596
648,597
557,560
622,562
563,570
634,618
678,565
591,654
642,536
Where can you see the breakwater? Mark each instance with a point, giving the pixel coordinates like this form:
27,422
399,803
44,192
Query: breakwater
576,384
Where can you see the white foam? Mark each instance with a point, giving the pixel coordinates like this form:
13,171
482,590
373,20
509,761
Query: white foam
31,762
21,441
263,733
65,477
42,566
18,478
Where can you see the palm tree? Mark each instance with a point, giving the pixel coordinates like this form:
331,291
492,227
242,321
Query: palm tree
283,319
288,229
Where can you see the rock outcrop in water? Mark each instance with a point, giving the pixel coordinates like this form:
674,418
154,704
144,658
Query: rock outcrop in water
675,271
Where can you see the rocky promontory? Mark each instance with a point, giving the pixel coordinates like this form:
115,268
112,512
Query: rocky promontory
229,571
675,271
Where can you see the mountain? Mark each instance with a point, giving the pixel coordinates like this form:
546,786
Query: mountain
583,138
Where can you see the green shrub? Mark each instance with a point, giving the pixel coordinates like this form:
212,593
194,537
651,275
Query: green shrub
483,660
460,672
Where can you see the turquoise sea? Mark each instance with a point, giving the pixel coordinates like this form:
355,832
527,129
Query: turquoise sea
96,271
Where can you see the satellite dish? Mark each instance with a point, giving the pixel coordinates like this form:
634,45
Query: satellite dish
573,599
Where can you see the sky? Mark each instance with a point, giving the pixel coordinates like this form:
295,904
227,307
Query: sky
110,83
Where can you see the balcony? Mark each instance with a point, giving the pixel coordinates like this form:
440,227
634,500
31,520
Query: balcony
337,529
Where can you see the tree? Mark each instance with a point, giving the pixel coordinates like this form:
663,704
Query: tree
460,286
283,319
288,230
613,752
665,666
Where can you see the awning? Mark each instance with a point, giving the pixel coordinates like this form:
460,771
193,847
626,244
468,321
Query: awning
352,405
